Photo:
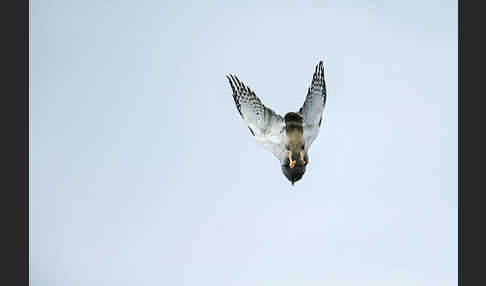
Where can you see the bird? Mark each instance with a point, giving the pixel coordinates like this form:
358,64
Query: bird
290,137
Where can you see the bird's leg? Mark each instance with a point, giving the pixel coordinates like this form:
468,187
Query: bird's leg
302,161
292,162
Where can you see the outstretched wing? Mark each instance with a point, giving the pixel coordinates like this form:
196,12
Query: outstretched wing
313,106
266,126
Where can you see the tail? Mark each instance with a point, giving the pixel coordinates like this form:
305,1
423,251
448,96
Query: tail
293,118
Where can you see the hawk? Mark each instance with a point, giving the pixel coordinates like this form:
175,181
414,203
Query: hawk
289,137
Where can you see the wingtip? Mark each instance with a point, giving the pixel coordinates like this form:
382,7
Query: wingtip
233,80
320,66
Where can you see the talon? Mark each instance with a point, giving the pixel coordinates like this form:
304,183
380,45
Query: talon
302,161
292,162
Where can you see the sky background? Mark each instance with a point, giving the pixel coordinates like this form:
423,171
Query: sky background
143,173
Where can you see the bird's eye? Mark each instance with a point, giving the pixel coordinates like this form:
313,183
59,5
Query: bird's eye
303,147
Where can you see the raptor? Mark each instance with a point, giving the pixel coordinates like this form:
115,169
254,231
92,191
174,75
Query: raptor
290,137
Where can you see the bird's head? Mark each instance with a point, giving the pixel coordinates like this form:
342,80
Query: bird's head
294,163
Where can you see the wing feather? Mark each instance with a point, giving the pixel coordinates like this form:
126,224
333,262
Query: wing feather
313,107
266,126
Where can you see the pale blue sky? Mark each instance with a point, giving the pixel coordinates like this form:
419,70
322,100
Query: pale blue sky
143,173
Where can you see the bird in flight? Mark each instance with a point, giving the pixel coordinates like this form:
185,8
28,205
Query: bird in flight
289,137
